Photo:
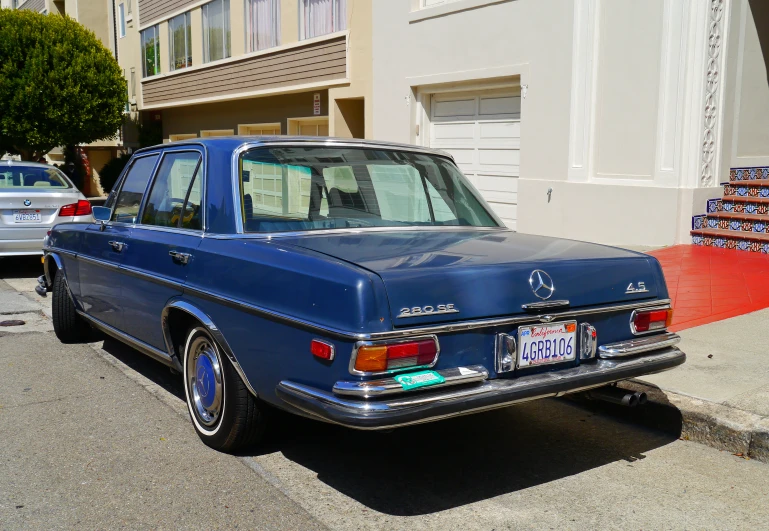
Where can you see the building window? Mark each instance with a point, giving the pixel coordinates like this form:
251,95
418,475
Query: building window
262,24
321,17
151,51
216,30
180,41
133,82
216,132
270,129
129,2
121,22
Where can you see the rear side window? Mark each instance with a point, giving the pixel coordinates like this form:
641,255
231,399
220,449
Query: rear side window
131,193
175,197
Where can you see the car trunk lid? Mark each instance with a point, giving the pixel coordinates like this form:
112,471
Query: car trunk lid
486,274
29,209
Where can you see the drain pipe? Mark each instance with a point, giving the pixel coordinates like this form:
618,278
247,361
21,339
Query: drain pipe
615,395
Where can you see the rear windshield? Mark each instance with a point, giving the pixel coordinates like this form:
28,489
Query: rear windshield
314,188
25,177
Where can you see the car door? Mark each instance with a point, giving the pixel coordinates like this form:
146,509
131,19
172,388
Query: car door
163,243
104,247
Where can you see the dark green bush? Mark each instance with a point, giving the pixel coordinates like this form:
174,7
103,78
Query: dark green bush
59,85
110,172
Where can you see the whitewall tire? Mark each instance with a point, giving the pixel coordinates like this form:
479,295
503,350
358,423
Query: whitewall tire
225,414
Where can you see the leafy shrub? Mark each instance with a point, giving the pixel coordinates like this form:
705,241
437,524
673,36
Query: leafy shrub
110,172
59,85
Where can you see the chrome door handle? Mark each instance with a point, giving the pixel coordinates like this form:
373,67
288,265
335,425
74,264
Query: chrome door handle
182,258
117,246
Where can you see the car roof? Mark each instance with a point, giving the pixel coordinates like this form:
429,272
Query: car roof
236,141
4,163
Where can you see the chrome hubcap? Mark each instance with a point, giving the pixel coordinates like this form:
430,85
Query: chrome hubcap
204,381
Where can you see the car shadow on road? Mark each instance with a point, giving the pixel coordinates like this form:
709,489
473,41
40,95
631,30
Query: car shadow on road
21,266
434,467
438,466
146,366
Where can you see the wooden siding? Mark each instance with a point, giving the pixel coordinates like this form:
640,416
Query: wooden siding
320,61
152,10
33,5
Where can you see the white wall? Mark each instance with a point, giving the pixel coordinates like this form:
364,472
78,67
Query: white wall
627,92
621,121
747,100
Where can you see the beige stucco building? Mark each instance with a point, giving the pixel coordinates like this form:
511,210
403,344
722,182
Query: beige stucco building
604,120
208,68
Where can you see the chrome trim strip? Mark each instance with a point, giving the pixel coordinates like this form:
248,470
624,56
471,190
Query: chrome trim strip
588,341
360,344
161,152
410,332
60,251
163,281
47,268
545,305
96,261
215,332
637,346
388,386
359,230
131,341
506,353
490,394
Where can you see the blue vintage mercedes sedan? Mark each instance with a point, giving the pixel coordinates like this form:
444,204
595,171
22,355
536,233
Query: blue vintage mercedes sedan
360,283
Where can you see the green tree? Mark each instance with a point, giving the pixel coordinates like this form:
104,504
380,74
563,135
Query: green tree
58,84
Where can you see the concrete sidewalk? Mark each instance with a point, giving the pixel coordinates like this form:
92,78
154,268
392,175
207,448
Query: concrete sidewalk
722,391
83,446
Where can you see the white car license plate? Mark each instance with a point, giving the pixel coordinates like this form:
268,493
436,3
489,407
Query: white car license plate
545,344
27,216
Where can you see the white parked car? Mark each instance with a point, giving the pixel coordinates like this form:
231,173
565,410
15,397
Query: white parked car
33,198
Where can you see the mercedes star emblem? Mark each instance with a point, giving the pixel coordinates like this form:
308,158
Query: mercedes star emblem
27,202
541,284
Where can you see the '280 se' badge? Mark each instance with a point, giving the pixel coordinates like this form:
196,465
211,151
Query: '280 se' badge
424,311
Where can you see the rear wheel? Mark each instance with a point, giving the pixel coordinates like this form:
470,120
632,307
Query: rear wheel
225,414
67,324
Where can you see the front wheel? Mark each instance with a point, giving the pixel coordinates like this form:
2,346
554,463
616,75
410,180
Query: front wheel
67,324
225,414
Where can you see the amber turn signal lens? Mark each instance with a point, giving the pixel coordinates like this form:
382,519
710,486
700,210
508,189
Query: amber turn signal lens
371,359
398,355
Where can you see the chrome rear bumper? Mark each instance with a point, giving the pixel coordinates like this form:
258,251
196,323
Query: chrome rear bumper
427,406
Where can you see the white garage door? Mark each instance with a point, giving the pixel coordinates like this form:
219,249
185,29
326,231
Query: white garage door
482,130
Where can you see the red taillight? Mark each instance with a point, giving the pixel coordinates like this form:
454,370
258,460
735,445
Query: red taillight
81,208
381,358
652,320
322,350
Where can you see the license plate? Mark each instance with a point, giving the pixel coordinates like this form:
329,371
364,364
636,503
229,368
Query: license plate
546,344
27,216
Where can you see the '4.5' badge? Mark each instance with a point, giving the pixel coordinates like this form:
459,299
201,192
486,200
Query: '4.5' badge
640,287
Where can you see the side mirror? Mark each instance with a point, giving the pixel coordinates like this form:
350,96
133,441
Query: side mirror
101,214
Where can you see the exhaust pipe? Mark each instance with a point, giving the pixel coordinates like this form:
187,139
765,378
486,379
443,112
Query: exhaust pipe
618,396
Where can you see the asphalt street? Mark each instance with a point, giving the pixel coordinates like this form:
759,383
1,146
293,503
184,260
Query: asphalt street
96,436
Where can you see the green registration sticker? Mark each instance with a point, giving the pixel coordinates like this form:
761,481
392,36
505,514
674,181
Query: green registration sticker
415,380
